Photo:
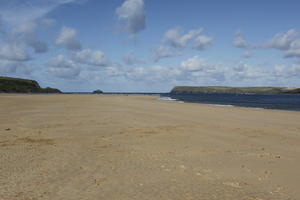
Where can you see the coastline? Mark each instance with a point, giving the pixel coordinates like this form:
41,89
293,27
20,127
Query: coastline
137,147
273,102
228,105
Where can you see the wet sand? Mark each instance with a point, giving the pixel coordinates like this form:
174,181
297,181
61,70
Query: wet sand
118,147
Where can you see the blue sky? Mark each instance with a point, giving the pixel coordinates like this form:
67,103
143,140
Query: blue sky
150,45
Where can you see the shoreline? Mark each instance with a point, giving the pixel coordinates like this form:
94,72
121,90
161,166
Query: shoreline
231,106
168,98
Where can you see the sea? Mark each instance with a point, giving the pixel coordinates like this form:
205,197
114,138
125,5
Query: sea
289,102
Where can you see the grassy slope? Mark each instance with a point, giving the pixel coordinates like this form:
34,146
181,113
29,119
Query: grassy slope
19,85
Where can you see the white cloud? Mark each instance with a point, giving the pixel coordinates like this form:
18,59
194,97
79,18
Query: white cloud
174,42
283,41
191,69
242,71
292,53
25,34
47,22
199,71
15,12
239,41
153,74
90,57
8,66
61,67
289,42
247,54
130,59
14,52
194,63
203,42
38,45
175,39
67,39
27,27
136,73
163,51
295,44
294,50
287,71
113,70
132,11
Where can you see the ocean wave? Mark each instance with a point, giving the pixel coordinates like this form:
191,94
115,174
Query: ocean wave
222,105
167,99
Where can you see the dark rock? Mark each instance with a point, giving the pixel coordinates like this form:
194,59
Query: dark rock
97,92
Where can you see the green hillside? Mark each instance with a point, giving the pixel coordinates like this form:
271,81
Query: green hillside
18,85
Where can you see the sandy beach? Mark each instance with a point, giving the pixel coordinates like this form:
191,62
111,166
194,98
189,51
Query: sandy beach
118,147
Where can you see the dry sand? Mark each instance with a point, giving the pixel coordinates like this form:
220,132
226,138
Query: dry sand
115,147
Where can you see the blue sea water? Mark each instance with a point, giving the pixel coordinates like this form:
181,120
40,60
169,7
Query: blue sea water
279,101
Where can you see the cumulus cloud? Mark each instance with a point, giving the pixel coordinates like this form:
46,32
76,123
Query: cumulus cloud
63,68
197,70
133,14
287,71
289,42
67,39
163,51
152,74
194,63
191,69
164,74
8,66
283,41
174,41
203,42
239,41
292,53
38,45
25,35
130,59
177,40
14,52
90,57
242,71
294,50
113,70
247,54
136,73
